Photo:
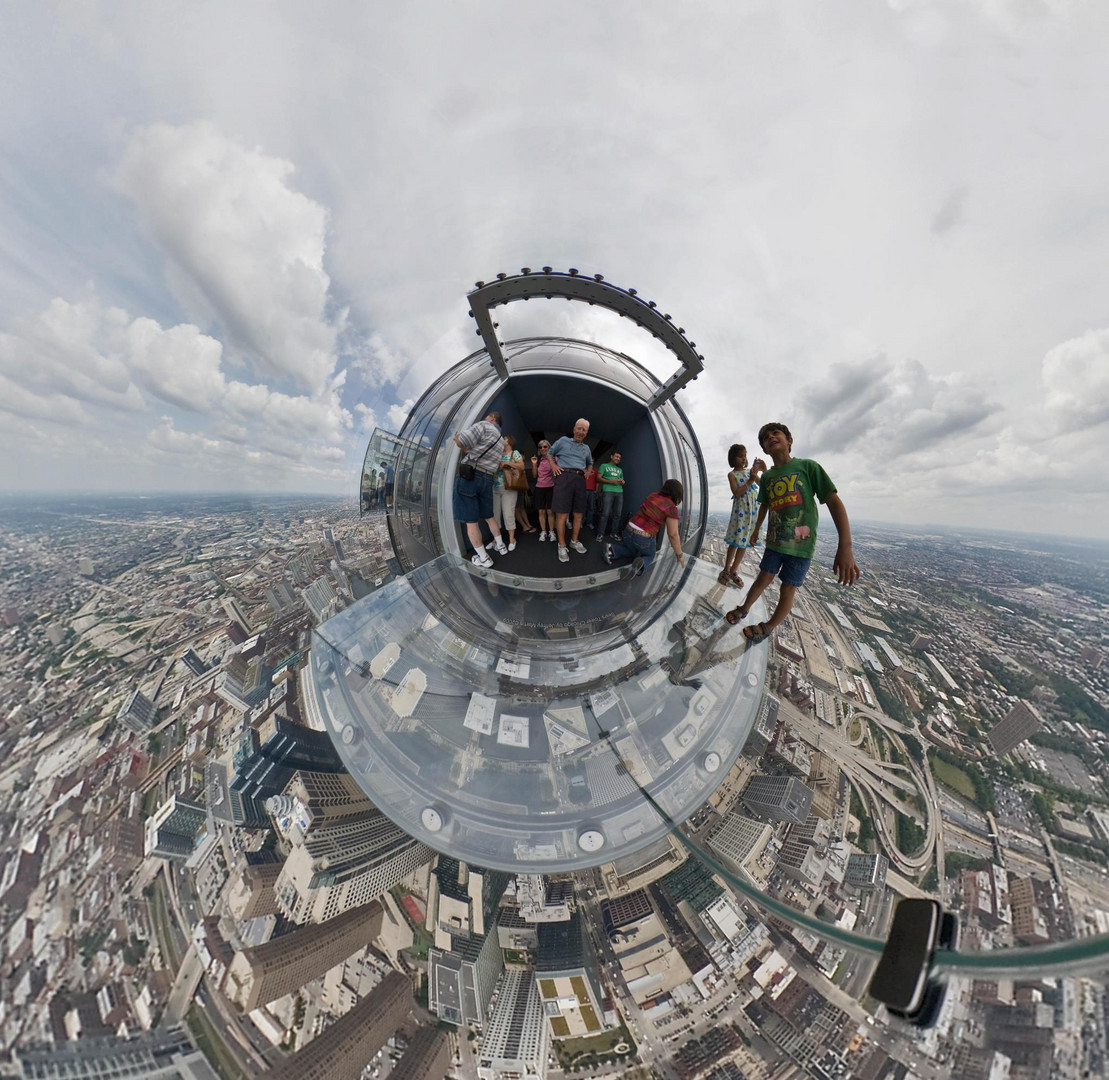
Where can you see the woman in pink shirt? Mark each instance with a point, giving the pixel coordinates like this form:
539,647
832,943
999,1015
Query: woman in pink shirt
544,488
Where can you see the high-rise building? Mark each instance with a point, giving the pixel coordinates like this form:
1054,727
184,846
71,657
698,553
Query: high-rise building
172,830
344,853
346,1047
566,980
824,780
268,755
743,842
866,871
229,806
780,798
21,874
262,973
986,896
762,731
461,979
281,597
163,1054
194,662
137,713
237,613
517,1039
1021,722
123,843
466,959
251,894
428,1057
321,598
1030,924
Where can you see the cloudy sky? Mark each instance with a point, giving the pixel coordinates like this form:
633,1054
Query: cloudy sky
235,237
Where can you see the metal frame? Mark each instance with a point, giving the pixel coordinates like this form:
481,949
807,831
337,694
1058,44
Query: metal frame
571,285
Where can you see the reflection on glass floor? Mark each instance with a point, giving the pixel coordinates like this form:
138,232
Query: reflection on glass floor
539,729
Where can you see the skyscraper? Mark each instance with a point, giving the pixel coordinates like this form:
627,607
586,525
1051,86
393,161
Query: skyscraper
137,713
563,970
268,756
1021,722
345,852
172,830
780,798
345,1048
163,1054
251,894
517,1039
464,963
742,842
428,1057
261,973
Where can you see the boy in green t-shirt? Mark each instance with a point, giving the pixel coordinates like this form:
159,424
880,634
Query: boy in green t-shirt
789,491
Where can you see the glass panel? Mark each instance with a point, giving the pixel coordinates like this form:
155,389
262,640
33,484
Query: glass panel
538,728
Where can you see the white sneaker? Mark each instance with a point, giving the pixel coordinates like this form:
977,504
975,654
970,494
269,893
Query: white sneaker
483,561
563,554
543,536
578,546
512,546
501,549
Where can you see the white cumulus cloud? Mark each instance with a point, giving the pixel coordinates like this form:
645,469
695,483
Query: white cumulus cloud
1076,380
241,242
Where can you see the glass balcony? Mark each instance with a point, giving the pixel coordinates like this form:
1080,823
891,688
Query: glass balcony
538,729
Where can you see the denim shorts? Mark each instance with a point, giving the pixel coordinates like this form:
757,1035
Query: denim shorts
788,568
473,499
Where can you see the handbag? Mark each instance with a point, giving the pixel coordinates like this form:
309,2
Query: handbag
516,479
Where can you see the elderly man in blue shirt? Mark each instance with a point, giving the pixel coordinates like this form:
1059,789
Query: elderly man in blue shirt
569,459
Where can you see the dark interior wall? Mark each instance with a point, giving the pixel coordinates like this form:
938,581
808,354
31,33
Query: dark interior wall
641,464
514,422
544,404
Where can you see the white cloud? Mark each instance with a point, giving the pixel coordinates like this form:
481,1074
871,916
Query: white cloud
1076,381
891,409
66,351
871,182
367,418
72,363
240,239
380,364
179,365
397,414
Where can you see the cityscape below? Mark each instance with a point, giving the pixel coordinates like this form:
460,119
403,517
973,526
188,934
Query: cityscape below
193,885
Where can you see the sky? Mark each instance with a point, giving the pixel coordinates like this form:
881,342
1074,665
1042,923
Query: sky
234,238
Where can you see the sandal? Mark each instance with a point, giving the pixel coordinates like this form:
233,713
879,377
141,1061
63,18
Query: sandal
723,578
756,633
735,615
736,580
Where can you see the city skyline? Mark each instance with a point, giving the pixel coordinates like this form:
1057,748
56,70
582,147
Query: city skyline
895,212
161,789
